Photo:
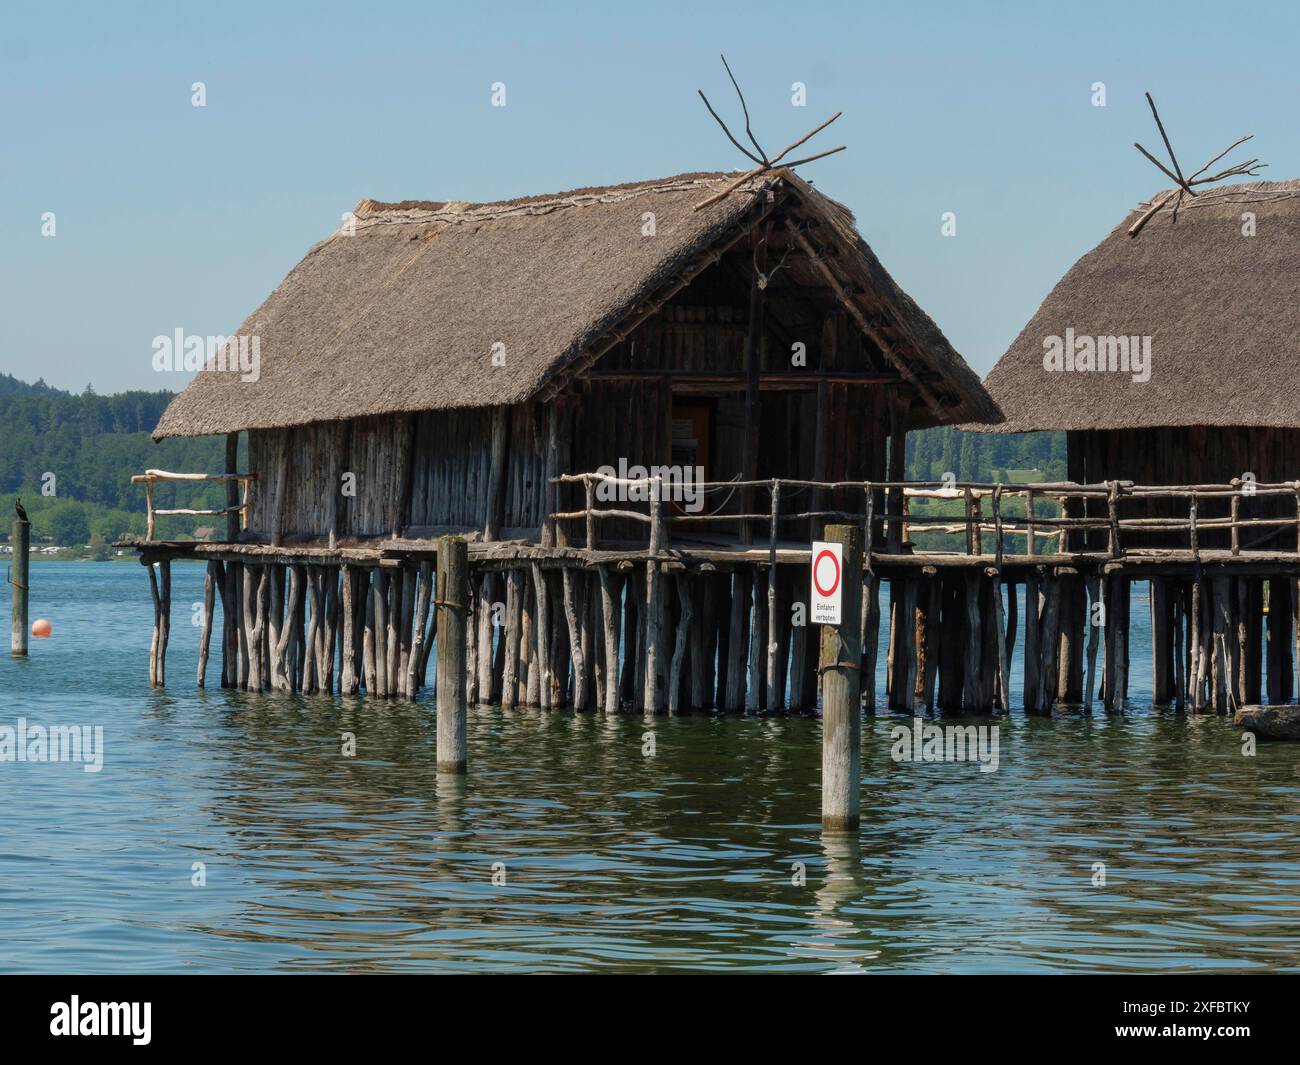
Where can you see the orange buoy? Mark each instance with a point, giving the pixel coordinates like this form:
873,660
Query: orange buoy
42,628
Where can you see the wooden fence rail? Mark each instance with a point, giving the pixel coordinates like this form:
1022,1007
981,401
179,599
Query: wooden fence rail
151,477
1023,523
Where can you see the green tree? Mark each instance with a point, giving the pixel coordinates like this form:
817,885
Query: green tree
66,523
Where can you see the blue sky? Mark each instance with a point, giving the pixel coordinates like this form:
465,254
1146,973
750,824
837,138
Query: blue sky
171,216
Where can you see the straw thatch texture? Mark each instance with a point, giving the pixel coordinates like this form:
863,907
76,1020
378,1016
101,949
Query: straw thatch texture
403,315
1222,310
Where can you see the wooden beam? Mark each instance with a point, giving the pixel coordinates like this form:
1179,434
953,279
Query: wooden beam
865,324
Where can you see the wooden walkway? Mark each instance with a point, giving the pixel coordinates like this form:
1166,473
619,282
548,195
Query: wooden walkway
635,603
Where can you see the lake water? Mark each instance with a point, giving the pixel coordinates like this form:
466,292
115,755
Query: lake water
613,861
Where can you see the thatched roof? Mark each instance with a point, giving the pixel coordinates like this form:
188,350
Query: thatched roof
1222,310
402,315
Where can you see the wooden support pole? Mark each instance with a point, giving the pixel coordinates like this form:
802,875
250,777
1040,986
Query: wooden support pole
514,618
415,661
1222,628
1094,633
487,590
453,599
573,606
1033,642
773,665
232,487
19,579
973,677
165,624
751,360
654,610
932,636
1281,610
1004,653
494,497
1178,600
542,627
869,635
704,644
757,642
684,623
205,628
1050,642
738,638
1161,642
841,669
609,624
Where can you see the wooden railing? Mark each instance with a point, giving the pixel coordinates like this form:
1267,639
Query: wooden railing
151,477
1069,526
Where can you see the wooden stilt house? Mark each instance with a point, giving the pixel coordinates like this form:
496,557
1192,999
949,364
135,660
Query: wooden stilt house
1214,296
1168,356
500,371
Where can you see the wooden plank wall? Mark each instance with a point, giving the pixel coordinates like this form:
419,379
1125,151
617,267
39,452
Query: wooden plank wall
1192,455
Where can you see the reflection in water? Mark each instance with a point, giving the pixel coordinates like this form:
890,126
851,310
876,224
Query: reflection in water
566,848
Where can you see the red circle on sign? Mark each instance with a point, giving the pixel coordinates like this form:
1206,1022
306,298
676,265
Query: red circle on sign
834,562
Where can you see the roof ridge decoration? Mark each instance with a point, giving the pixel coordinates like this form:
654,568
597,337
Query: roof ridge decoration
1186,186
762,163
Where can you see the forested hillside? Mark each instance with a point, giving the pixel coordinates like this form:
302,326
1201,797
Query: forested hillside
985,456
91,445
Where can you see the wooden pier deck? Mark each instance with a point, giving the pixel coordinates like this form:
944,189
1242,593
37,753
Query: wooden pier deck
710,619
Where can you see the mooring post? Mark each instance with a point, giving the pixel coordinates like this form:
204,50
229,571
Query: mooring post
453,600
22,545
841,670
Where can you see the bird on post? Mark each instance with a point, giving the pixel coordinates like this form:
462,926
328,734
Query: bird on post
18,506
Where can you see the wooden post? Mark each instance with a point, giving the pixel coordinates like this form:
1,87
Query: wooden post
493,499
737,640
1050,642
654,613
757,643
684,623
160,583
1161,642
416,656
484,643
21,540
1033,641
453,599
293,603
609,625
232,487
205,629
752,358
348,682
841,669
542,626
1280,612
572,606
869,630
897,469
1001,628
514,623
772,666
973,671
1094,632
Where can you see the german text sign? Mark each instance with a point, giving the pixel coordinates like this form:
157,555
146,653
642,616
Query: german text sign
827,572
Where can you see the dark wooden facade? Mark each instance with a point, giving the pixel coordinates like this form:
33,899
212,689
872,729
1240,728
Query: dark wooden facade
823,403
1194,455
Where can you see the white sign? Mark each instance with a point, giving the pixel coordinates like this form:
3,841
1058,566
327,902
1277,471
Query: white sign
827,573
